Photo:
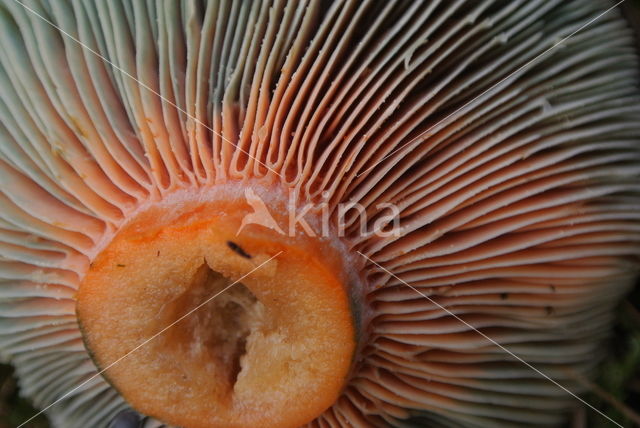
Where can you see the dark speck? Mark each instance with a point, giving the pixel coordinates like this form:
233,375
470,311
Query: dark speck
238,250
120,265
549,310
504,296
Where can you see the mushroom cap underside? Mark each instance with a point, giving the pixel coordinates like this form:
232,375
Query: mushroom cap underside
505,133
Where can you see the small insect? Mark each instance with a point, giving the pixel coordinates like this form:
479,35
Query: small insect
238,249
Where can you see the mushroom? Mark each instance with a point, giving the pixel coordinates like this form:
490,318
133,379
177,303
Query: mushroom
271,213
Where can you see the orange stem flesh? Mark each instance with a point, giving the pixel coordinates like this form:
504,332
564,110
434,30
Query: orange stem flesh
272,350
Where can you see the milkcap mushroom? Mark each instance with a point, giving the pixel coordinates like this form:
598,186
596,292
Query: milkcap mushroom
276,214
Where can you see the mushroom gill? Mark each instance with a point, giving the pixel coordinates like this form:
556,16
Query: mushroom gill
359,185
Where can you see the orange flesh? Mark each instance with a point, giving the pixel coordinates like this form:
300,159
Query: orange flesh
272,350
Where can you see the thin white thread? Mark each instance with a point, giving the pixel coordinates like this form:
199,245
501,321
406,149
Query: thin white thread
491,88
143,85
493,341
148,340
377,163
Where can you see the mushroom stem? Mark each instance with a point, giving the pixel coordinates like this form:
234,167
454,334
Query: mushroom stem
273,348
